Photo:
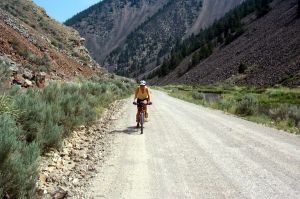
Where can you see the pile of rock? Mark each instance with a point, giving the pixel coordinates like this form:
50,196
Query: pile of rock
68,172
17,26
21,76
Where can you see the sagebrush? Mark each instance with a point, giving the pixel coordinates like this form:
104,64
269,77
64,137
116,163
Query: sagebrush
33,121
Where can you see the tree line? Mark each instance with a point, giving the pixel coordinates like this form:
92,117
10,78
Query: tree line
221,32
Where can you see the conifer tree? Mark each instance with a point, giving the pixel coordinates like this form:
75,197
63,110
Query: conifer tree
298,8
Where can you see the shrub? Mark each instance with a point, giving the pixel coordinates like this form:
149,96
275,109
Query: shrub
5,74
47,116
280,113
6,106
286,112
225,105
298,8
52,113
247,105
45,61
242,68
294,115
20,48
197,95
18,161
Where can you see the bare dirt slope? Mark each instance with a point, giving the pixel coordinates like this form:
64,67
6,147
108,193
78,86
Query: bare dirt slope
212,10
270,48
192,152
107,24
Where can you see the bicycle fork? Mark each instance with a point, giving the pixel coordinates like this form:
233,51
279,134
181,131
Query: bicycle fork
142,118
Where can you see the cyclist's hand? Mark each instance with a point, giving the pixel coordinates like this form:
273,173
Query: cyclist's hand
149,103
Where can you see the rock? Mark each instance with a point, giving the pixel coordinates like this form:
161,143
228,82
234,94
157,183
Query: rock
82,127
28,83
50,168
75,181
43,178
60,193
43,74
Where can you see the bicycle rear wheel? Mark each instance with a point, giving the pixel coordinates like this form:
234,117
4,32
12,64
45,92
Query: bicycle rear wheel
142,118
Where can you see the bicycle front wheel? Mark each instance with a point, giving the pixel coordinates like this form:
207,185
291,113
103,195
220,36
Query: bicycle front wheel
142,119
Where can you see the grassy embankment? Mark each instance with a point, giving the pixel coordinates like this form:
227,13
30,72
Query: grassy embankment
275,107
34,121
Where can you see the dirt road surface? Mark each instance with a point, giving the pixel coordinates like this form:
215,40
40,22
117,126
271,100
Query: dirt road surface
188,151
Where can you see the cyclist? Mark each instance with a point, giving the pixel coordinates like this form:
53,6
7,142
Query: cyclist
141,93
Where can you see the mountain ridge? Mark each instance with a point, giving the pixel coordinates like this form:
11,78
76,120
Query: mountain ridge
174,24
265,54
106,24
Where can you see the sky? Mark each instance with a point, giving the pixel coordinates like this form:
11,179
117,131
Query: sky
61,10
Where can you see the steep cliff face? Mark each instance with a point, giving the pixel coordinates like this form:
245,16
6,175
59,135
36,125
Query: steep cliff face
107,24
132,37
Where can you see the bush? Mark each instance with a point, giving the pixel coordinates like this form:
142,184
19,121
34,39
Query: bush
34,121
197,95
280,113
247,105
298,8
225,105
6,106
20,48
294,115
242,68
51,114
5,73
18,161
286,112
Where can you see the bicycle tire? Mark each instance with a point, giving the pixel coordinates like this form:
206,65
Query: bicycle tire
142,122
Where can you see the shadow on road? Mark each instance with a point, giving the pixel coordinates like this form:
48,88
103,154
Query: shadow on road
129,130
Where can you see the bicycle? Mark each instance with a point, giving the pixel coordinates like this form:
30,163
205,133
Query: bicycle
141,105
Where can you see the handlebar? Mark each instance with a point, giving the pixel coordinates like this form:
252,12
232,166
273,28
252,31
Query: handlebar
142,103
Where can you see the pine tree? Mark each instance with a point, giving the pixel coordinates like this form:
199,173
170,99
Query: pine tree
298,8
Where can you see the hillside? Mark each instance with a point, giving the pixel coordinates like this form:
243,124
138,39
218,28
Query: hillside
265,54
31,41
107,24
49,87
143,45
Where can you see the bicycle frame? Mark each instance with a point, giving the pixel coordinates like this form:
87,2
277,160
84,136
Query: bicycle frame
142,114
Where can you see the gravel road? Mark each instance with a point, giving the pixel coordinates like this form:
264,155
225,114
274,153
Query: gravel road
188,151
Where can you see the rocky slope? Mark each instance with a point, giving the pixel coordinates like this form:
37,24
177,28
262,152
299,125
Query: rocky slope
107,24
141,46
269,48
211,11
31,40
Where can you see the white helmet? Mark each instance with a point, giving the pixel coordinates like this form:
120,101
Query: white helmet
142,83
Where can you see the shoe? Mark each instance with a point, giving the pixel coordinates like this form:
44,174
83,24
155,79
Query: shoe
138,125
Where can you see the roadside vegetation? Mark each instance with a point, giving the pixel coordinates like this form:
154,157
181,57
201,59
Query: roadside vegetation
275,107
33,121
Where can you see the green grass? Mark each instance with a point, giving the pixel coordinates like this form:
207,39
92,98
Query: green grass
275,107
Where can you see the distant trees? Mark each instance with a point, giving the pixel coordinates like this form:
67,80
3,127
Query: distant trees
262,7
221,32
298,8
